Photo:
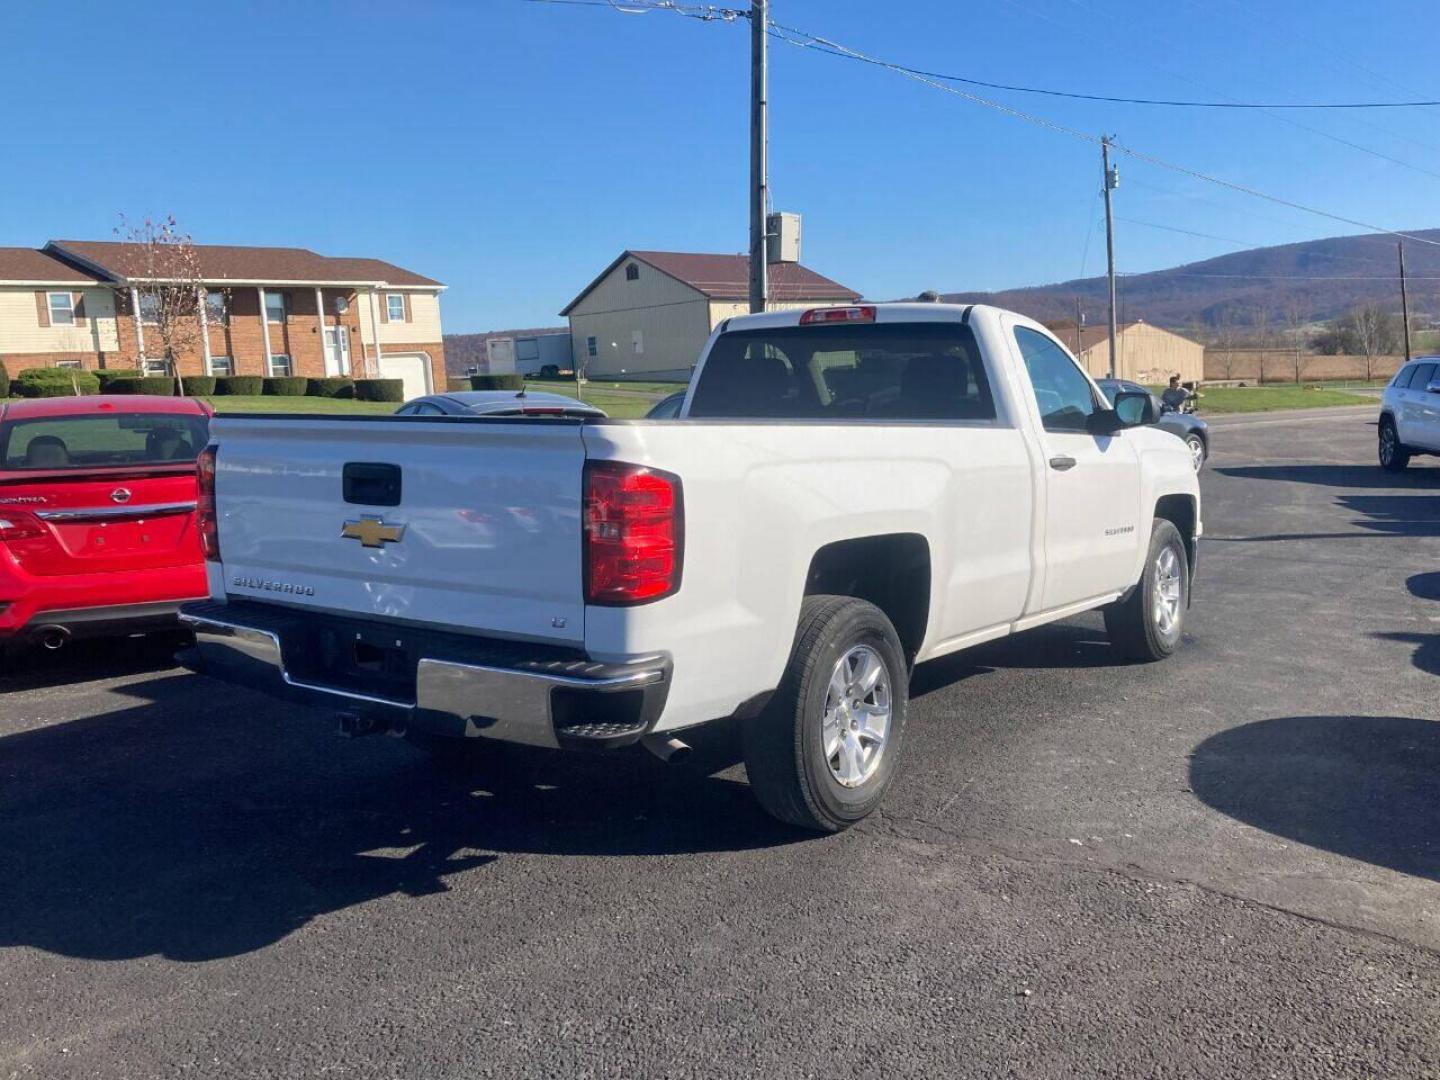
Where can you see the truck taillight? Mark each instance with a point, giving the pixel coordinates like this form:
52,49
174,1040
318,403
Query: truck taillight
206,521
634,533
18,525
859,313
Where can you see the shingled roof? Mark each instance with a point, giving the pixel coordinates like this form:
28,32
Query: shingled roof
727,277
31,267
120,261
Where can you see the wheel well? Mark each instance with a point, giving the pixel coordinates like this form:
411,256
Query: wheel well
892,572
1179,510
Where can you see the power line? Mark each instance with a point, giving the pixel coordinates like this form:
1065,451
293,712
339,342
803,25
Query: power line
814,41
1267,110
1187,232
695,10
1163,102
804,39
1276,277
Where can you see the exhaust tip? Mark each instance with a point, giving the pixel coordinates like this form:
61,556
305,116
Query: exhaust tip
53,637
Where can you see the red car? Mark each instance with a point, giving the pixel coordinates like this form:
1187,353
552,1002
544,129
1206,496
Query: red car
97,515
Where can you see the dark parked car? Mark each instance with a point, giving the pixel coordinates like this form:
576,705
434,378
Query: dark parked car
1187,426
667,408
498,403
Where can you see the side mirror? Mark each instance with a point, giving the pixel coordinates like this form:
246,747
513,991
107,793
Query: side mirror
1134,409
1434,387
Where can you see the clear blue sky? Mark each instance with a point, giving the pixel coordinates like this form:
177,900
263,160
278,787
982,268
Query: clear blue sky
512,149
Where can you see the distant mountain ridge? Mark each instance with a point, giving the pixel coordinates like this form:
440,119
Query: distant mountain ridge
1323,278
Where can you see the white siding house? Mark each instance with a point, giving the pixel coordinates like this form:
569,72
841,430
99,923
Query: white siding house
649,312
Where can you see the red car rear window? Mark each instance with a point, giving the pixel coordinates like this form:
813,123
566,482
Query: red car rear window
98,442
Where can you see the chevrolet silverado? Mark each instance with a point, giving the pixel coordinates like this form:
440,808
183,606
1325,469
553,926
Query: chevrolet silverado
844,493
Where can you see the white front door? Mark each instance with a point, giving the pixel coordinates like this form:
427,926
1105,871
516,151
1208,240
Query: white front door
1092,482
337,350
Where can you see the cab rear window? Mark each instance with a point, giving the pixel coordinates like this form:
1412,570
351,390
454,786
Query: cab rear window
97,442
874,371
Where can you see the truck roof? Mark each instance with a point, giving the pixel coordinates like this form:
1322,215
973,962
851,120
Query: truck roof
33,408
884,312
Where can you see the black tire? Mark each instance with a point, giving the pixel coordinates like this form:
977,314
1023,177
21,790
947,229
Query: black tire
1134,624
1196,444
784,746
1394,455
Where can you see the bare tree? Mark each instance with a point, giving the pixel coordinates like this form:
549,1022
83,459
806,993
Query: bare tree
1225,338
1295,331
1376,332
173,292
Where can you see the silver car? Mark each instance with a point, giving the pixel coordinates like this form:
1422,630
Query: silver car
1410,413
499,403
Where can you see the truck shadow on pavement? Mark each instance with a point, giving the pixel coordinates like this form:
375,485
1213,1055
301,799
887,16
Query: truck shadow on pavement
30,667
1366,787
1057,645
204,823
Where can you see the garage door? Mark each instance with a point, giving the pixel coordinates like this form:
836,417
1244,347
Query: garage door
411,368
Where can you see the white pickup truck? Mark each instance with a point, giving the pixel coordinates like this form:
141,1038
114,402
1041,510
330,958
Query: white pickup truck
845,493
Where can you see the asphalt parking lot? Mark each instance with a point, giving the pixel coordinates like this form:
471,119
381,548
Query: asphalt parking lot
1224,865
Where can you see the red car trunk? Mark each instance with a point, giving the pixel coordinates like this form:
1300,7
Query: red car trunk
97,510
95,525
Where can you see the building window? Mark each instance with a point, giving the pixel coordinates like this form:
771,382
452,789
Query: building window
62,309
150,309
591,347
221,365
274,307
280,365
156,367
395,307
632,272
217,309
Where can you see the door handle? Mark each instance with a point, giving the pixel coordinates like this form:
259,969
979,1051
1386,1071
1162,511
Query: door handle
1061,462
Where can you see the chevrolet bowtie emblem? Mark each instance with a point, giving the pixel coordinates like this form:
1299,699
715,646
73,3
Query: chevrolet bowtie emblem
372,532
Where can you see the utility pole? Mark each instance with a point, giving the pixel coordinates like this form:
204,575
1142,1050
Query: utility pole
1112,181
1079,341
1404,299
759,149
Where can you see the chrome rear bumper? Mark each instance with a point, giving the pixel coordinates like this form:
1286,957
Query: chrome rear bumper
540,701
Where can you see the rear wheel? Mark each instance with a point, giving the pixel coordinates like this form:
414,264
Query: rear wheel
1394,455
824,751
1147,624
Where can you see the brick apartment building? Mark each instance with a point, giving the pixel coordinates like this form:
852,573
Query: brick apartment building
268,311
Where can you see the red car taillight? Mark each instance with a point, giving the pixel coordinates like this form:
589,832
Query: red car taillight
18,525
205,520
634,533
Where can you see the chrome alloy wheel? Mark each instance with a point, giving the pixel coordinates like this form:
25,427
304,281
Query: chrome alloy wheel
1167,590
1197,452
1387,443
856,721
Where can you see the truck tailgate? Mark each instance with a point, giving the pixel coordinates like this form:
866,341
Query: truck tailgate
471,525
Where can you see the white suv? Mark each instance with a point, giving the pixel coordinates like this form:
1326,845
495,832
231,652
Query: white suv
1410,413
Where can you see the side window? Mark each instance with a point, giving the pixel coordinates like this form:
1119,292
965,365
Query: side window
1061,389
1424,373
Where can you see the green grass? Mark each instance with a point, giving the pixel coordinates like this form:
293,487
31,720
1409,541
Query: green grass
225,403
1244,399
619,406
